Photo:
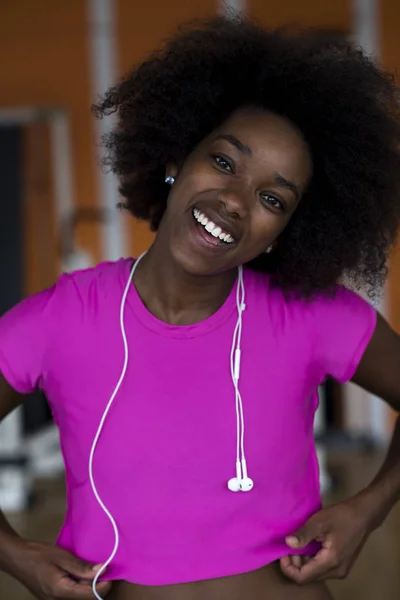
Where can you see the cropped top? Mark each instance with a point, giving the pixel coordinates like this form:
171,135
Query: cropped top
168,445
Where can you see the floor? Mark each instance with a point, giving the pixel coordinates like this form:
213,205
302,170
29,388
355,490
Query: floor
375,576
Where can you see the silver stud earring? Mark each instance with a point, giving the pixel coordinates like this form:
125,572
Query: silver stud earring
170,180
269,249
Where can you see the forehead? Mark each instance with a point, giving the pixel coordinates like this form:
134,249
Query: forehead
272,140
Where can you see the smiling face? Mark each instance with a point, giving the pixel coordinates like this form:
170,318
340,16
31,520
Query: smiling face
236,192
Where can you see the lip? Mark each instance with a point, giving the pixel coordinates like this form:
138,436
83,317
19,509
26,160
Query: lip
206,240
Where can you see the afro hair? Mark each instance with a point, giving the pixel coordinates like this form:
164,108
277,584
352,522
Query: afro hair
344,104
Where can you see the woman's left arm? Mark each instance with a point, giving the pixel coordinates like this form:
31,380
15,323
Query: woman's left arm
343,529
379,373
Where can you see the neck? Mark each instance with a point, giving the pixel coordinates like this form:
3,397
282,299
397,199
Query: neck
176,297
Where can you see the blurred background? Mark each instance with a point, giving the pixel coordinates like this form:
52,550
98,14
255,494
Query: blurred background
57,213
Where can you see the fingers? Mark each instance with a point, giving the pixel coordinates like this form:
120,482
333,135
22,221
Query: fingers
78,577
314,529
73,565
316,568
68,588
311,531
295,560
285,562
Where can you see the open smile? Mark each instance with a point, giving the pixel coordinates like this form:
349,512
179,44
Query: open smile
211,228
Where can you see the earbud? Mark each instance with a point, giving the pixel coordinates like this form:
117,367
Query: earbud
234,485
241,483
246,484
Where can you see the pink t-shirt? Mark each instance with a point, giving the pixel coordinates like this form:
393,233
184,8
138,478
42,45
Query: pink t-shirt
168,445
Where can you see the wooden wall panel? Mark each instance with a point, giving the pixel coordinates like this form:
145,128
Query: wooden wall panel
44,62
307,13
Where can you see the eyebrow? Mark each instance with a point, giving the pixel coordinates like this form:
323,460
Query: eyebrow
243,148
289,185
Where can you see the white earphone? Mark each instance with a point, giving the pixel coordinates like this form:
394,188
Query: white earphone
242,481
100,428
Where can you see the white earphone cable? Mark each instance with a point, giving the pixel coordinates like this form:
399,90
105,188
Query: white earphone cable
243,305
99,430
235,357
234,380
241,469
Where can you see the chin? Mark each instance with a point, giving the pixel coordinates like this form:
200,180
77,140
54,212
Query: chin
200,264
193,264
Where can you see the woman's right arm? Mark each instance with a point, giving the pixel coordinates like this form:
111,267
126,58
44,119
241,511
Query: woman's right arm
9,400
46,570
31,334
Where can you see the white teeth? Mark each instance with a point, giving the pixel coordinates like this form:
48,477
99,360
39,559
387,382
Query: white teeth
212,228
216,232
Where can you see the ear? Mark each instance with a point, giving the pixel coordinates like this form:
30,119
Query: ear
171,170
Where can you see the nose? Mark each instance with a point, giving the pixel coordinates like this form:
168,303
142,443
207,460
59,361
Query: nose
235,201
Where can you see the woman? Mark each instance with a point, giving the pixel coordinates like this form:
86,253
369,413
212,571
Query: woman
184,385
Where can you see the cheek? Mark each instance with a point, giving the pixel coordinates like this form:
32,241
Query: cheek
177,201
265,228
190,184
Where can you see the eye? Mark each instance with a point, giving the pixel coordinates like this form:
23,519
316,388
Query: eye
223,163
272,201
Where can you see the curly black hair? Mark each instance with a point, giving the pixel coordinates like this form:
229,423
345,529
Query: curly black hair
346,107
